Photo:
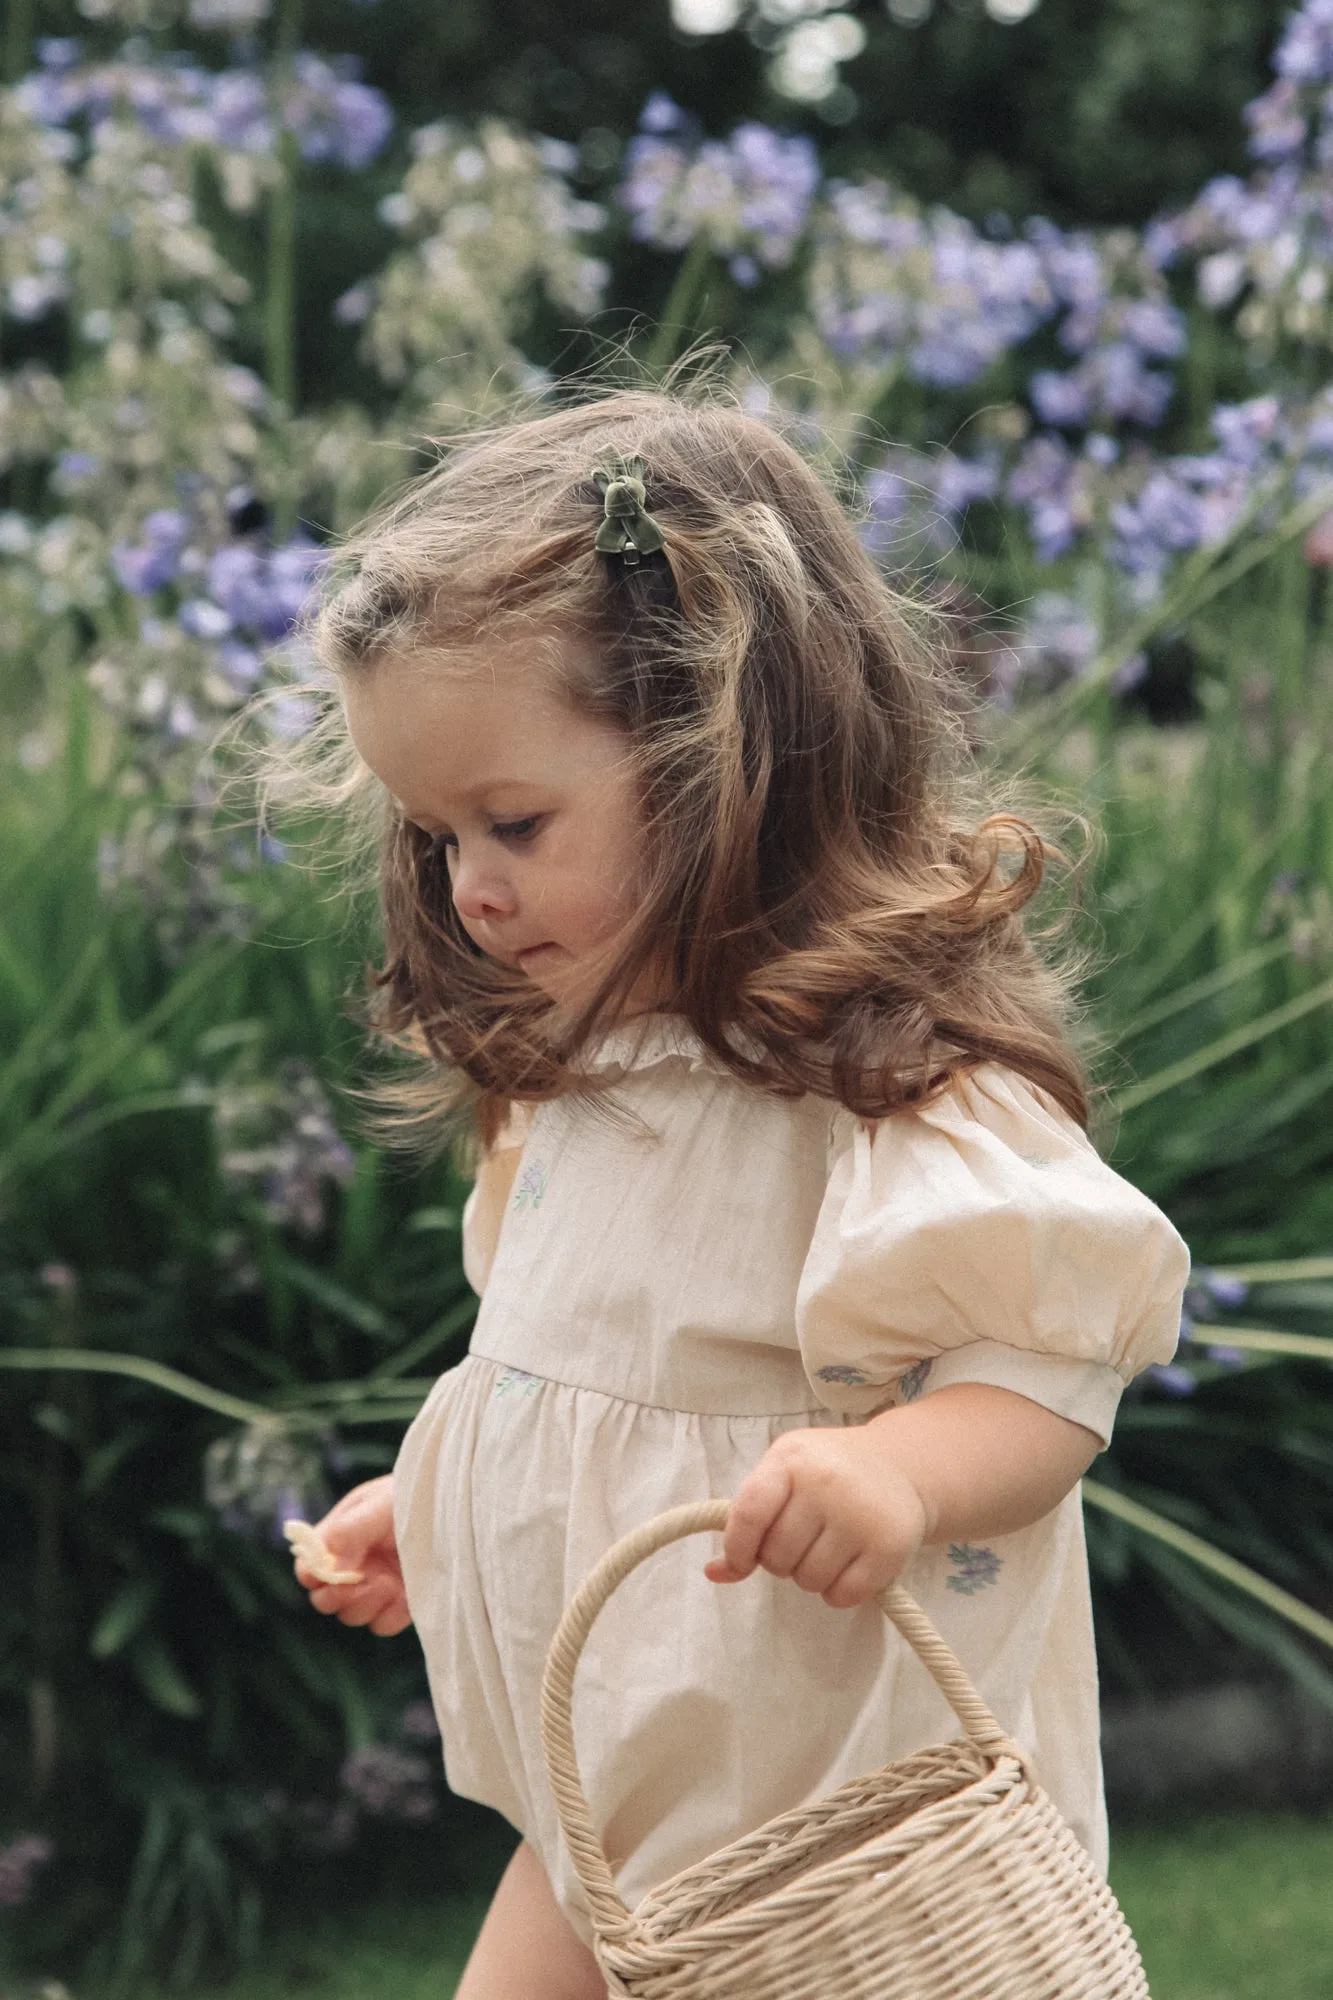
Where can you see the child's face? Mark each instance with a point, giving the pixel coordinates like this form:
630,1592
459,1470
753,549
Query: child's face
533,803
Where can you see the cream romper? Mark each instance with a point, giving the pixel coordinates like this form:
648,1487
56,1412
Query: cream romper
663,1296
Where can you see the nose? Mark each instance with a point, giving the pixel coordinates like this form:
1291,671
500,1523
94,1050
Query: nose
481,892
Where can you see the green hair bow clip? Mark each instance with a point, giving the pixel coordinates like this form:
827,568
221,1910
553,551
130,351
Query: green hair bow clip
628,529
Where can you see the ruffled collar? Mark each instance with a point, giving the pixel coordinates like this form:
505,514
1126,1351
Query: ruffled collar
642,1043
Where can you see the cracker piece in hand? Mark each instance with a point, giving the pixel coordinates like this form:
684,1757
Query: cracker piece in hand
317,1556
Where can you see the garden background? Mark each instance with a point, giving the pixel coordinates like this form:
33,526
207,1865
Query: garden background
1047,289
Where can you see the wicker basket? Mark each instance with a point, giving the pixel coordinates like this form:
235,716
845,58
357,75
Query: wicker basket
946,1876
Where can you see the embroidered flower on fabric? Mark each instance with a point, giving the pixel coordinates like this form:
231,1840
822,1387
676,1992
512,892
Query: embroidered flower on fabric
838,1371
976,1567
516,1378
531,1186
913,1380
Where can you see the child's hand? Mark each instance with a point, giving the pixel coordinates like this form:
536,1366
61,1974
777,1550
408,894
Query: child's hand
829,1509
359,1535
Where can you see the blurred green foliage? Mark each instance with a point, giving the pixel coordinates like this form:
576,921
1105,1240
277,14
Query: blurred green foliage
225,1313
166,1696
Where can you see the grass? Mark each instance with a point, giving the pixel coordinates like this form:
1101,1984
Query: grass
388,1951
1223,1909
1231,1909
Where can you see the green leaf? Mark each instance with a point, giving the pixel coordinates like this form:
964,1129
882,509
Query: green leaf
189,1523
1206,988
1282,1271
161,1678
125,1616
433,1218
1218,1051
92,1362
1263,1339
1161,1529
316,1285
110,1054
108,1458
1246,1623
51,1019
460,1314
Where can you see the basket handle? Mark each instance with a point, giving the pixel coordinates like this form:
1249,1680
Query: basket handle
609,1911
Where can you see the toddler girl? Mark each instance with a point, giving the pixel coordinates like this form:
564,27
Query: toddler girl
783,1191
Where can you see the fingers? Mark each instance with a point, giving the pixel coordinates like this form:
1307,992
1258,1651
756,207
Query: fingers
394,1620
814,1512
827,1557
856,1585
365,1604
379,1603
361,1521
756,1507
358,1533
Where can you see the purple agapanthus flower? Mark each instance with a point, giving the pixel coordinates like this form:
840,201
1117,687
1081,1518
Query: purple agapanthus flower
334,115
958,482
1164,520
146,566
1176,1380
390,1784
1045,483
662,115
1277,123
20,1863
750,193
265,592
1209,1289
1060,398
1305,52
1244,431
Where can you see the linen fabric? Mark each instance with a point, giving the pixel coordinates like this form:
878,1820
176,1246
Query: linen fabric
671,1278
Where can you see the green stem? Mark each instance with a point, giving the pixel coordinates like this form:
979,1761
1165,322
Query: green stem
687,293
1135,1515
369,1402
39,1132
94,1361
1226,1045
1294,1270
280,293
1206,988
1263,1340
43,1701
18,39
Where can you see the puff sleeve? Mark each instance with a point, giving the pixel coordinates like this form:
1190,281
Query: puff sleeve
981,1238
484,1209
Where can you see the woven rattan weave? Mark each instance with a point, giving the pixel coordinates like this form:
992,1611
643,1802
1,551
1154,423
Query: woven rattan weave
946,1876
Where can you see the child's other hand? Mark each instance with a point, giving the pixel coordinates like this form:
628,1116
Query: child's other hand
829,1509
359,1534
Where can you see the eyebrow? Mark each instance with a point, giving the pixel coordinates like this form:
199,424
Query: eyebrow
476,793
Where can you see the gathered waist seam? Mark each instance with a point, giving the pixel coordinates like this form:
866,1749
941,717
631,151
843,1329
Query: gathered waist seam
640,1402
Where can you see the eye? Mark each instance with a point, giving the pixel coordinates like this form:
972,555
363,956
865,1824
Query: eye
517,829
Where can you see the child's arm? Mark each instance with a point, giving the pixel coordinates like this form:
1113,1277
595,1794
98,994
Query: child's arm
842,1512
359,1535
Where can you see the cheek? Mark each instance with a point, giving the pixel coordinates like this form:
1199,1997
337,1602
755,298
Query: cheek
621,871
598,880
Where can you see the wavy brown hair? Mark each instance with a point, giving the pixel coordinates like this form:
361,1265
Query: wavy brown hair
833,906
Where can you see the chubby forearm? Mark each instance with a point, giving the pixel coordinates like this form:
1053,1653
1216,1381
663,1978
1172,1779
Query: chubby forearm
984,1460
